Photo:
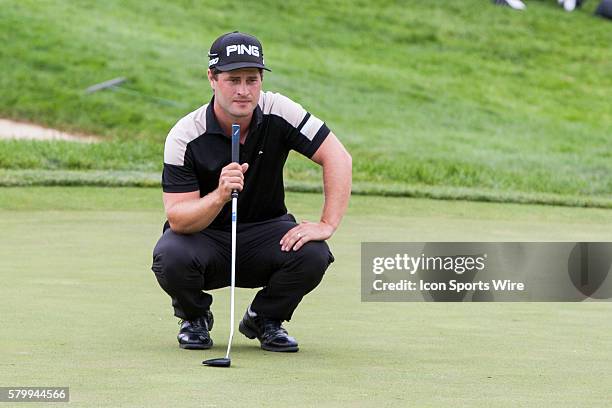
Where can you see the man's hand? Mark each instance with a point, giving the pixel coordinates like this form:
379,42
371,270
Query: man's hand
297,236
231,178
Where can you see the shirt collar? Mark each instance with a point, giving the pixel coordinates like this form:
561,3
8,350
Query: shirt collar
212,125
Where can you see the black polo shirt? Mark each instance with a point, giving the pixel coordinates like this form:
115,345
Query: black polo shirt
196,150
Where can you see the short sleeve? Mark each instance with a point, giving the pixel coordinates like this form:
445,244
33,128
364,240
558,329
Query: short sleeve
303,131
179,175
308,135
179,179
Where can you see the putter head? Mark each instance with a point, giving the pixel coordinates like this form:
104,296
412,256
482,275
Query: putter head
218,362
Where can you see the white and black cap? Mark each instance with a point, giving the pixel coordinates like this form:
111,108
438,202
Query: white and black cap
236,50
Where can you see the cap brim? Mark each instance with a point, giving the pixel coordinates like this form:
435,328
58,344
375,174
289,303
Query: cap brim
238,65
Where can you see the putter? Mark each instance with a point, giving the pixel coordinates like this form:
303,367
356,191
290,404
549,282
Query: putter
227,361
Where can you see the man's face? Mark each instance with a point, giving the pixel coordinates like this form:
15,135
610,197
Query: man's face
237,92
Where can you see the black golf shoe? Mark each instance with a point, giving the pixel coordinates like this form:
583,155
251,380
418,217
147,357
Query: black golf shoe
194,334
269,332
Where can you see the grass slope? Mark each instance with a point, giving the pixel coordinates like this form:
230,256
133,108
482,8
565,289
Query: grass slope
426,93
82,309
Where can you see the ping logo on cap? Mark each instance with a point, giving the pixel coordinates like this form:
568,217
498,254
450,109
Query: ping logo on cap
236,50
241,49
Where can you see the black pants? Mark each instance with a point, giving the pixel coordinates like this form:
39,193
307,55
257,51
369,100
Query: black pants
185,265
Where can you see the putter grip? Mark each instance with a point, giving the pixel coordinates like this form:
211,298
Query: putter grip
235,143
235,150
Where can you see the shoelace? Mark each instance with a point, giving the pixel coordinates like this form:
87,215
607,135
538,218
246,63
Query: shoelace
273,328
197,324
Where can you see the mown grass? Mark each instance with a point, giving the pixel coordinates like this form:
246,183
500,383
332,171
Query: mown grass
81,308
118,178
424,94
62,155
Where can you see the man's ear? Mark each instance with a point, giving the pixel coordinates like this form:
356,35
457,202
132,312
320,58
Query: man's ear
211,79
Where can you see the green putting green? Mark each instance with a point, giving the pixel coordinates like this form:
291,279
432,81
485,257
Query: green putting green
81,308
